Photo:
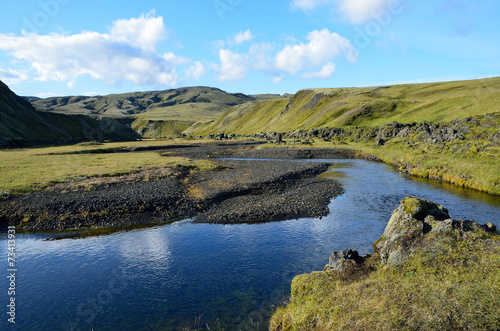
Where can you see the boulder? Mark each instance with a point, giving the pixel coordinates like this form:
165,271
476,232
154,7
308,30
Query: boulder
417,223
380,141
344,259
278,139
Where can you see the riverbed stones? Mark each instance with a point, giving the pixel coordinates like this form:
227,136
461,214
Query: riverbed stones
236,192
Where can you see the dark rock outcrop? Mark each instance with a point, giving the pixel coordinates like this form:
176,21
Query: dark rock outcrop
416,224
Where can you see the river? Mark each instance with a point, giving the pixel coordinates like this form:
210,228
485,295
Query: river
184,275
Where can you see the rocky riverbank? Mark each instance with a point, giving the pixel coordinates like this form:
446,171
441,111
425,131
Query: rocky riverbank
428,272
235,192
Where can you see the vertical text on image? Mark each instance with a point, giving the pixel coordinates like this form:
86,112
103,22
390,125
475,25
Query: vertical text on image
11,274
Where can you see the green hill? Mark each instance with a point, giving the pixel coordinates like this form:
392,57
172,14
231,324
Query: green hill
21,124
157,113
370,106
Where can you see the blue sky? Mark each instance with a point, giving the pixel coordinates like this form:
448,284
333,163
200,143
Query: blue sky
69,47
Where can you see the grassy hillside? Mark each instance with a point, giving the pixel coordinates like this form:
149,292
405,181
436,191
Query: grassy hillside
371,106
20,121
156,114
168,103
148,128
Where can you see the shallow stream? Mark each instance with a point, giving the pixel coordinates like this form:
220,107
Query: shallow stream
184,275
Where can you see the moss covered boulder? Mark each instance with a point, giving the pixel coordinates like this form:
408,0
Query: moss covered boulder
416,223
437,273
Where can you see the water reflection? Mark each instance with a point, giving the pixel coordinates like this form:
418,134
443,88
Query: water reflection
150,248
178,272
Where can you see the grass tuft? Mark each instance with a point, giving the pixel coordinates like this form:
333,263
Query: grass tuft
453,286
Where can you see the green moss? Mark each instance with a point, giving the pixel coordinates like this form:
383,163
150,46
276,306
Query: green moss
379,240
413,205
453,285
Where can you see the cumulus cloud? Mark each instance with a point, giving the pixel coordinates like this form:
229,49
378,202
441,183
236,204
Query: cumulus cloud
11,76
325,72
233,66
195,71
308,5
243,36
238,39
127,52
145,31
356,11
310,60
322,47
360,11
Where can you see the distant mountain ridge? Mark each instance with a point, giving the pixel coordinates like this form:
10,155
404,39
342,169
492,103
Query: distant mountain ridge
152,114
21,124
136,103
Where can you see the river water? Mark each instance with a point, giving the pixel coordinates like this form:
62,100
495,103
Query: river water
184,275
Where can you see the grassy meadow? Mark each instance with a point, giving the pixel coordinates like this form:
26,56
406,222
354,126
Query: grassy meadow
32,169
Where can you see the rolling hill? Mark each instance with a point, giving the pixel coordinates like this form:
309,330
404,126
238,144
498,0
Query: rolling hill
21,124
349,107
152,114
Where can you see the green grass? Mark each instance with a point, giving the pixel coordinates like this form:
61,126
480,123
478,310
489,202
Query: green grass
471,163
172,111
160,128
455,288
28,170
477,172
369,106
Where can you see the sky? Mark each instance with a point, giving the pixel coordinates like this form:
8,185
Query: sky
68,47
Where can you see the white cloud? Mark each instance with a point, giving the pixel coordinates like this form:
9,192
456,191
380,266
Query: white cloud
360,11
261,56
175,60
243,36
144,31
277,79
233,67
195,71
308,5
237,39
11,76
356,11
126,53
325,72
322,47
46,95
308,60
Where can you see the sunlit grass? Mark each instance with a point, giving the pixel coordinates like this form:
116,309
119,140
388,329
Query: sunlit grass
455,288
27,170
367,106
